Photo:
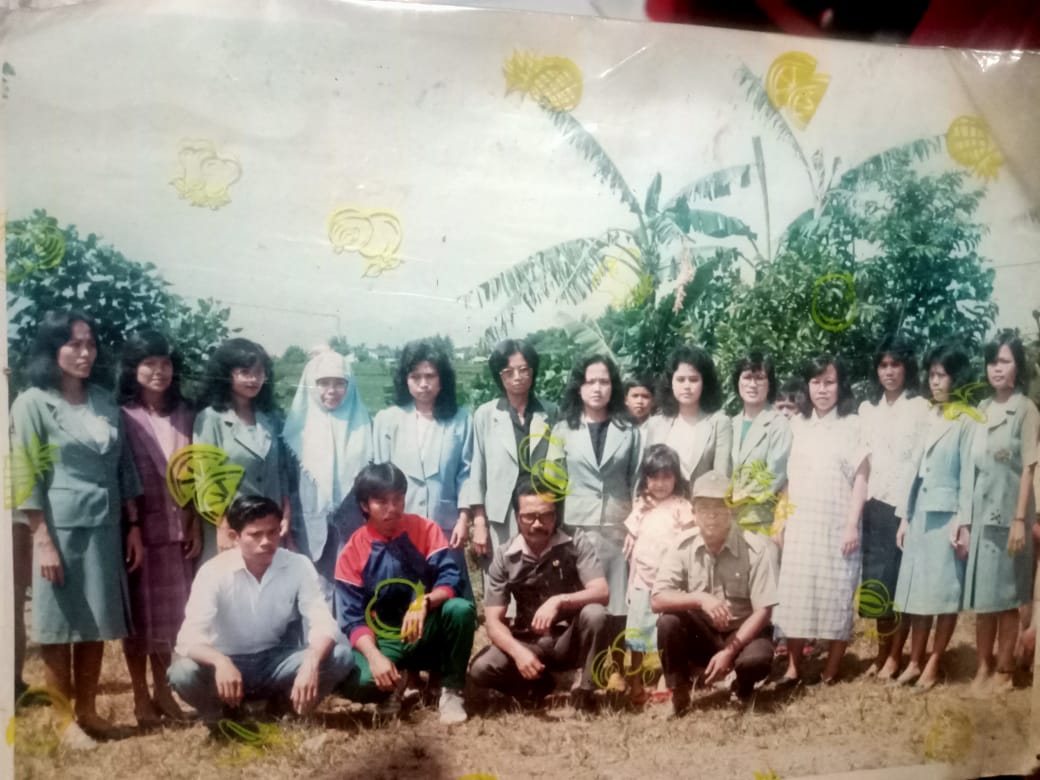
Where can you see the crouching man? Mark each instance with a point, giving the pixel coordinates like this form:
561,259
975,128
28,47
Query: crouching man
240,638
715,591
396,581
561,620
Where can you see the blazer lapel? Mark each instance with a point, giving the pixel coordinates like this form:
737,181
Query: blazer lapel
246,442
759,430
139,429
935,434
71,423
503,431
615,436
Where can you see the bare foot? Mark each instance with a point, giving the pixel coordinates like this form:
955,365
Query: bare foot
1001,682
167,705
909,675
94,725
888,671
980,685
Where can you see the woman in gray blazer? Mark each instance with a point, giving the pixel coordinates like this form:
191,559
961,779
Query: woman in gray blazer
72,474
597,447
239,418
509,434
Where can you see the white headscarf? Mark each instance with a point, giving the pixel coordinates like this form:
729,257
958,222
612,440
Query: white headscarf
331,446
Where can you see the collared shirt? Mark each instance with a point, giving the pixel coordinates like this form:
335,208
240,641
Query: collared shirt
232,612
742,573
568,565
894,434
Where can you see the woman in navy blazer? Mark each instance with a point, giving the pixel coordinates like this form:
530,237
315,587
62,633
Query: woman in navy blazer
239,419
598,448
72,474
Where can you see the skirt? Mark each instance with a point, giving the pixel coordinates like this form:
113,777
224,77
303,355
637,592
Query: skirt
159,591
609,544
93,605
996,581
881,556
931,578
642,619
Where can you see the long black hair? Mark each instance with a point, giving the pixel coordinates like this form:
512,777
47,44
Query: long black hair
499,359
232,354
711,391
138,347
1009,339
658,458
571,407
54,332
755,360
955,362
899,348
415,352
816,366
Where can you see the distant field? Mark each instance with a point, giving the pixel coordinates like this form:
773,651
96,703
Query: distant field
375,382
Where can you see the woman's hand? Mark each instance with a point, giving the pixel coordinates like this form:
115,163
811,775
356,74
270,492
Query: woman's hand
904,527
47,557
192,543
134,549
960,538
1016,536
460,534
481,538
224,540
850,539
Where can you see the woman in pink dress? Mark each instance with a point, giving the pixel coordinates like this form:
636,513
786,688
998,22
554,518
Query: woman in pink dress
158,423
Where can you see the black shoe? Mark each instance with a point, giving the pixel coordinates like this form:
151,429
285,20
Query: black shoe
680,700
583,700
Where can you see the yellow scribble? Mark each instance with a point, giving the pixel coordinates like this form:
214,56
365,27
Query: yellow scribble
969,142
24,467
795,87
199,473
949,737
767,775
375,234
604,665
848,297
251,745
205,176
10,734
554,83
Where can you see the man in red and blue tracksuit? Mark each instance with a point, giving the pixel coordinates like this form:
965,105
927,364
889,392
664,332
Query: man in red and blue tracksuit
395,596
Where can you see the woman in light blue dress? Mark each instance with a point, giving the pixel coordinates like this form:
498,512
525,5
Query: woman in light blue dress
328,433
72,474
1000,562
239,418
936,513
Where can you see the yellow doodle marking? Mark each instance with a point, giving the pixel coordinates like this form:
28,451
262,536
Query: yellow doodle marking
40,246
825,321
478,776
250,745
964,403
554,83
794,86
10,734
769,774
24,467
199,473
375,234
603,665
385,630
968,142
949,737
205,176
547,477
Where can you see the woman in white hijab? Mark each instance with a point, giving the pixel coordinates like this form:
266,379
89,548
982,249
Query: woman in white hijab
329,433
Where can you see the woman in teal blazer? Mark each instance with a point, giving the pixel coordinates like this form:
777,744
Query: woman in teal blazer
239,418
598,449
72,474
1000,561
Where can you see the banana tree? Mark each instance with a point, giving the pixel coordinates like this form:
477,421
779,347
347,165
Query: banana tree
652,249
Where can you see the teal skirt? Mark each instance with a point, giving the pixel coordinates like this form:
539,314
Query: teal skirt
94,603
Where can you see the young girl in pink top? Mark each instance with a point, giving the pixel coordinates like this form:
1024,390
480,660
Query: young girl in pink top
662,512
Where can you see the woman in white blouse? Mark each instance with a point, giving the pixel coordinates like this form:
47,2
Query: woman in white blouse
691,421
893,422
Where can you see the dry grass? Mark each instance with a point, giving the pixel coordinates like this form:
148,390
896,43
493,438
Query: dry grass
854,725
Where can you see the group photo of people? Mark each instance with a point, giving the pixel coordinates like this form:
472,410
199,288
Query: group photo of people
625,544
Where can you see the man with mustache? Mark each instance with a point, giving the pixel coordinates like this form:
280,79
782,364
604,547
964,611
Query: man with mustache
561,619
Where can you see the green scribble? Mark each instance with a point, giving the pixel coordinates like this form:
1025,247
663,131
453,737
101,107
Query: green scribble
755,480
379,628
24,467
848,298
548,478
873,601
200,474
36,246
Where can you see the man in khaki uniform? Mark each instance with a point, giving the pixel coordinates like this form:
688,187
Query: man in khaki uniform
715,591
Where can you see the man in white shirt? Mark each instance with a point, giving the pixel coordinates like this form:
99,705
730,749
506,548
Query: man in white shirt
237,641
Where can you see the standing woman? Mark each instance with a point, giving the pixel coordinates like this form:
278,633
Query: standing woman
157,424
827,486
1000,561
509,435
72,432
238,417
691,421
328,433
893,422
761,439
429,437
598,448
936,513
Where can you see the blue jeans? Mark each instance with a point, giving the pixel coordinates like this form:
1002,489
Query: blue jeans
268,673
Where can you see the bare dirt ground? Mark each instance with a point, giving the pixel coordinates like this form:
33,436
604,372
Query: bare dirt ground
857,724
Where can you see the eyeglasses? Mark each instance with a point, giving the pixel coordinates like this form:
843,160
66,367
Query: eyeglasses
760,379
519,372
544,518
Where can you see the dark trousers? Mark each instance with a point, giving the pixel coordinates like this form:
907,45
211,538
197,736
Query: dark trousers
577,646
688,639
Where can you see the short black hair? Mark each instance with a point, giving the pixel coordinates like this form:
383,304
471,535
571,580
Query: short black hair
53,333
248,509
1009,339
817,365
792,389
232,354
572,407
658,458
499,359
138,347
755,360
640,380
527,487
376,480
415,352
711,392
955,362
900,348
